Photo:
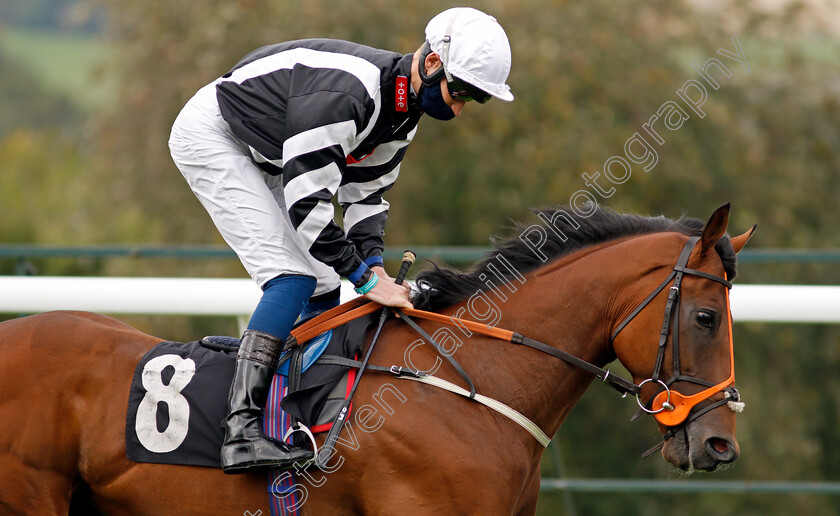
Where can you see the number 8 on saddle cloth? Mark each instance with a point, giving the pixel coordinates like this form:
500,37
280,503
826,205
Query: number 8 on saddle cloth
178,395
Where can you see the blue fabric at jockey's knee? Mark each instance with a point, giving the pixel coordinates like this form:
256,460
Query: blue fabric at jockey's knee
322,303
281,303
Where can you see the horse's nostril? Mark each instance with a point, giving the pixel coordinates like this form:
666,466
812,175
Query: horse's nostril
719,445
721,449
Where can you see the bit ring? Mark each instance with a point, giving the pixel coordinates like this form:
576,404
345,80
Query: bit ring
665,406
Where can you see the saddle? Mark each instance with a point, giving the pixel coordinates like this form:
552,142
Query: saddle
316,363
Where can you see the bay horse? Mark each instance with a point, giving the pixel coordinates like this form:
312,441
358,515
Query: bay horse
590,287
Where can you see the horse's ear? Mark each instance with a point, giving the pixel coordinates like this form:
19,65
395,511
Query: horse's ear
740,241
715,228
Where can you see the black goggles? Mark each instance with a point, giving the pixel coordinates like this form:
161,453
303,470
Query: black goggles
465,92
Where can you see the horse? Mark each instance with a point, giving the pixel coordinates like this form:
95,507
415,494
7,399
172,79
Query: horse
593,288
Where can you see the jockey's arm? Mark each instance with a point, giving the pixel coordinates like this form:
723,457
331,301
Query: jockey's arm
311,178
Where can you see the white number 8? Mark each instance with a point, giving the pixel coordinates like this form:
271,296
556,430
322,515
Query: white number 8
156,392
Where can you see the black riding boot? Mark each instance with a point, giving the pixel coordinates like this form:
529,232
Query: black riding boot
245,445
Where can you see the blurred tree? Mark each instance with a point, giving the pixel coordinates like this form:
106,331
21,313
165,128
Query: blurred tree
587,77
42,159
28,105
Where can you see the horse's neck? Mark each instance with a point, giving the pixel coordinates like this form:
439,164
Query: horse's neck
567,305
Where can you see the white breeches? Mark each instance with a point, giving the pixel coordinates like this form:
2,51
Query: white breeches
245,203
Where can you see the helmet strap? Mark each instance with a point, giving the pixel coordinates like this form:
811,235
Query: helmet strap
447,37
438,74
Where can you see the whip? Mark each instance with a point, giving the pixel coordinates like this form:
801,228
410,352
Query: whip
326,449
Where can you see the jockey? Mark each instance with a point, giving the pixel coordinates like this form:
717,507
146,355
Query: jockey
267,146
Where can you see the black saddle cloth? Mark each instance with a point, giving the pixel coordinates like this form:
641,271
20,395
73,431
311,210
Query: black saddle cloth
178,396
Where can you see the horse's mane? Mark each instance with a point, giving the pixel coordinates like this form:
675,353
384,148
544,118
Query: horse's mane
443,286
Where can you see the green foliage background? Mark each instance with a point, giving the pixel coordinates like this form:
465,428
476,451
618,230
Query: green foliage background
88,163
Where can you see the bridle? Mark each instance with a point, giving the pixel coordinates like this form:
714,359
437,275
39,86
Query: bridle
668,406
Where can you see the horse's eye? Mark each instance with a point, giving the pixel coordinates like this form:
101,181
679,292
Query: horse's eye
705,319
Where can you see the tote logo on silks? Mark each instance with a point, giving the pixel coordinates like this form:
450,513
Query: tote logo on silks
401,94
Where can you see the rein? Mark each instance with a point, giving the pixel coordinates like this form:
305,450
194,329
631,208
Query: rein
616,382
668,406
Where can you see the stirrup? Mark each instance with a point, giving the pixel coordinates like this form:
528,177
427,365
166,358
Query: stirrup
305,430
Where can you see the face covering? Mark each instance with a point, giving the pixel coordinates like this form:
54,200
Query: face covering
432,103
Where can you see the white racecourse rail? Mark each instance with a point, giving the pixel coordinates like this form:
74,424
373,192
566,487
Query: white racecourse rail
238,297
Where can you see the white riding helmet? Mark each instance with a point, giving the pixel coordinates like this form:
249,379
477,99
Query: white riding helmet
472,47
